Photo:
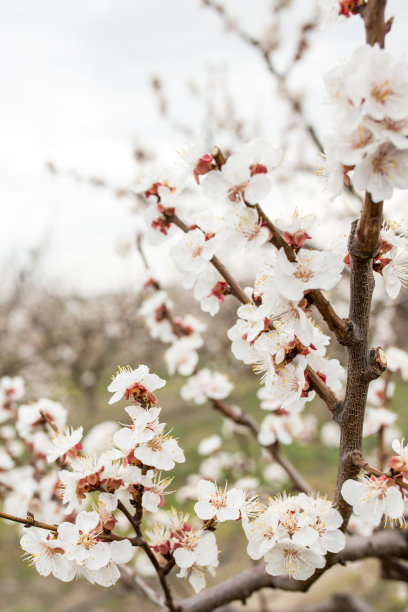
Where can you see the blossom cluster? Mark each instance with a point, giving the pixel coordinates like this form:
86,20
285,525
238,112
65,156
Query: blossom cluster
370,94
293,534
183,334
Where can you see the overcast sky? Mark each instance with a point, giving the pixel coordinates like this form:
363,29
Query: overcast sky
75,91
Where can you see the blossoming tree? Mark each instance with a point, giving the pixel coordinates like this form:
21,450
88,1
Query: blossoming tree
89,505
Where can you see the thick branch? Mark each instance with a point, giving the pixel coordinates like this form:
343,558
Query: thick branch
367,240
382,544
374,20
359,367
339,602
241,418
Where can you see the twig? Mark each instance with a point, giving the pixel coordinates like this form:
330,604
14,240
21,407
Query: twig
294,103
241,418
236,289
323,391
135,522
30,521
132,580
361,463
340,327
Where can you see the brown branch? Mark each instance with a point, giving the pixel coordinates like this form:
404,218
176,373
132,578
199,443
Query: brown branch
30,521
241,418
133,581
363,365
374,20
281,77
236,289
340,327
351,415
367,239
323,391
382,544
393,569
361,463
160,570
339,602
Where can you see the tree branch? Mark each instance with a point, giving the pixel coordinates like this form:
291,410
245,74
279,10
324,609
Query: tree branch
241,418
30,521
133,581
323,390
235,287
382,544
361,463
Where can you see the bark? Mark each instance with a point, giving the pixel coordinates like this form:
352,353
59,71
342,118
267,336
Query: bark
382,544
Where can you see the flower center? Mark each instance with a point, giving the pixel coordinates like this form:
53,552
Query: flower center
303,273
291,561
218,500
87,540
155,444
381,92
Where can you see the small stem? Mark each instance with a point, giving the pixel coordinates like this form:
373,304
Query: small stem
160,571
358,460
323,390
235,287
31,522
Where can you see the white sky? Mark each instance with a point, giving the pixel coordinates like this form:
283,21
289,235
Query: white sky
75,90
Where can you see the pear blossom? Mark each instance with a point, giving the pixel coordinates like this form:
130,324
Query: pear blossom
222,505
162,451
206,385
195,548
374,498
290,559
65,443
326,520
135,383
182,356
399,461
377,418
81,544
192,254
209,445
47,554
313,270
397,361
13,387
281,428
